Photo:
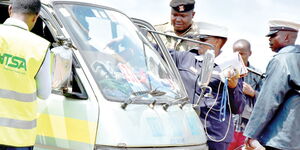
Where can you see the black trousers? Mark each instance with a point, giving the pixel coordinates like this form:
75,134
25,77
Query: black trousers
3,147
271,148
217,145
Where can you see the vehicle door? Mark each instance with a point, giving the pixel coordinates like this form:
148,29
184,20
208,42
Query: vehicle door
68,118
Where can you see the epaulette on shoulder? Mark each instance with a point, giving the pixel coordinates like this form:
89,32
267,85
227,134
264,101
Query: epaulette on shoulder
161,25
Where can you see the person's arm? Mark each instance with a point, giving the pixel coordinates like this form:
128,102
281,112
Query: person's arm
250,94
237,98
248,90
270,98
43,78
235,89
176,55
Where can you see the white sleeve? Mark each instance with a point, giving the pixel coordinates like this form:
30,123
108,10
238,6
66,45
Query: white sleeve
43,78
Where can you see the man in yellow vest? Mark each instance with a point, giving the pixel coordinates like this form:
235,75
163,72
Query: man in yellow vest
24,75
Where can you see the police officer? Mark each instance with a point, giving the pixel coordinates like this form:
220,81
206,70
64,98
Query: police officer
213,34
189,64
182,13
274,121
24,75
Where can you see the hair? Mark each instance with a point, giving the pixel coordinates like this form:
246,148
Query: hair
244,43
26,6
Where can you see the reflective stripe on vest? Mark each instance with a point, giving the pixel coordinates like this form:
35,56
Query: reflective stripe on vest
21,56
13,95
19,124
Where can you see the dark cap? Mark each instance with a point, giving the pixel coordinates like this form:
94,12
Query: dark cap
279,25
182,5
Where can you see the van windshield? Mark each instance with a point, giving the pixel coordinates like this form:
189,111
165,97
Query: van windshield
121,60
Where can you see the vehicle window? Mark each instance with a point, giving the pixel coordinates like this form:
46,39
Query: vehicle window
41,29
123,63
4,13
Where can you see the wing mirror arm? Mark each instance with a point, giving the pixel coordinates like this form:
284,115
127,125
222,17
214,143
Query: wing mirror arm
66,42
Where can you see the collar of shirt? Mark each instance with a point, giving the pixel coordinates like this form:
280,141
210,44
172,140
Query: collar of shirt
17,23
288,49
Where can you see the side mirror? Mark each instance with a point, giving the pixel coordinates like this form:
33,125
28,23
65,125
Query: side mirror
61,67
207,68
206,71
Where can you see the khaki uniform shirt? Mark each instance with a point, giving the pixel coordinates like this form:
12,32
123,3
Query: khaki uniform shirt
174,43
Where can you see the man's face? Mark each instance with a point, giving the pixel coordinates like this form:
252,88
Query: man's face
276,41
181,21
217,42
204,48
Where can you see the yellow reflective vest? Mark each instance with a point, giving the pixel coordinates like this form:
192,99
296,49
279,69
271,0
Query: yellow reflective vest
21,56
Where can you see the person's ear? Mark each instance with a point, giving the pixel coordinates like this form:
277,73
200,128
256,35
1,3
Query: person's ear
34,18
287,38
10,10
193,14
221,42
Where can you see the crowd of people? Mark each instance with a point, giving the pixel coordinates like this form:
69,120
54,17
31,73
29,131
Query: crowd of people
265,108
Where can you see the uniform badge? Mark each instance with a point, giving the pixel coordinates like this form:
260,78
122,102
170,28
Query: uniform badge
181,8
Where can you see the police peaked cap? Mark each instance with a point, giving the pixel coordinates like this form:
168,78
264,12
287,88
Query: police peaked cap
182,5
281,25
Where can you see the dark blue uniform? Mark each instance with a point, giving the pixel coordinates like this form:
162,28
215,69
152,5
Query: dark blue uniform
189,68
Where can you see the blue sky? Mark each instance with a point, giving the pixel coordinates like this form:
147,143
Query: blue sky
247,19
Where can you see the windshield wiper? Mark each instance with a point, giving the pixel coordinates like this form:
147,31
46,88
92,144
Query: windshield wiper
140,94
154,92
